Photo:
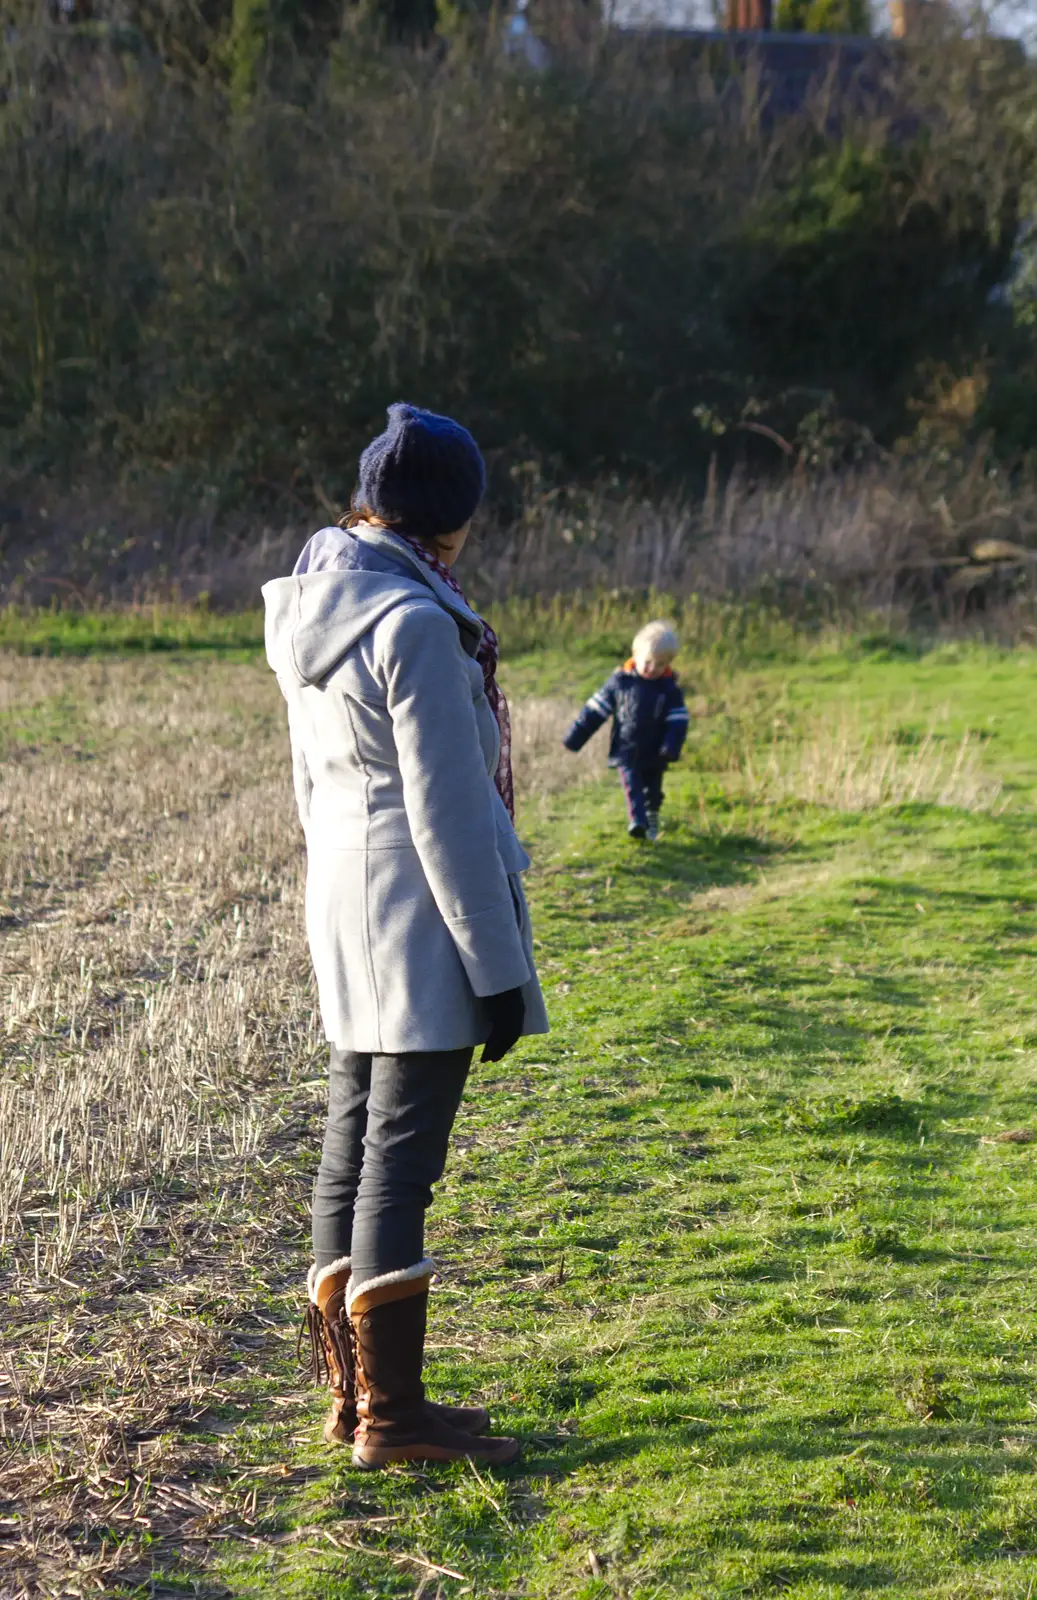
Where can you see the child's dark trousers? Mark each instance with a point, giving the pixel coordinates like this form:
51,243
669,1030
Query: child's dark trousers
643,787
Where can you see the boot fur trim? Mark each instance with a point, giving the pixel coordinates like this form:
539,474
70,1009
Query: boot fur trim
399,1283
315,1278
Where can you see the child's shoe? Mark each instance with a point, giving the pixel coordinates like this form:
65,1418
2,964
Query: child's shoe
636,830
653,826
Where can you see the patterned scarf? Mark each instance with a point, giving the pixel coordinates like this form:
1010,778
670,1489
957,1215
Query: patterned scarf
487,655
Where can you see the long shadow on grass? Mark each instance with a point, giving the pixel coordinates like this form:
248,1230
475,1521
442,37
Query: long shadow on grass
775,1026
944,1446
710,860
843,1576
662,874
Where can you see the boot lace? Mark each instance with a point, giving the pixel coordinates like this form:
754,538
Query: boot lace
343,1340
327,1339
315,1362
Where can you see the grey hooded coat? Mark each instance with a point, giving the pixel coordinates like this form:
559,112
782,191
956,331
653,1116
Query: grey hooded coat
414,901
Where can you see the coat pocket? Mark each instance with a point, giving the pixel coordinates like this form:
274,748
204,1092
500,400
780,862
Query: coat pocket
513,857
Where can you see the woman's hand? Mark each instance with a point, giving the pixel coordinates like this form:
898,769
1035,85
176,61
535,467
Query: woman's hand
507,1014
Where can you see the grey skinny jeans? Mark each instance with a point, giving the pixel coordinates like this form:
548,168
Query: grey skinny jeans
385,1145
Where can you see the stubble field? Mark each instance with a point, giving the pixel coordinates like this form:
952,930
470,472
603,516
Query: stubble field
744,1249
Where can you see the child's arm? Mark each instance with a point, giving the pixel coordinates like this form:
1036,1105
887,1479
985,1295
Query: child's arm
675,725
598,709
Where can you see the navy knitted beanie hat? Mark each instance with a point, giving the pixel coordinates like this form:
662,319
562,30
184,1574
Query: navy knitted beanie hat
424,473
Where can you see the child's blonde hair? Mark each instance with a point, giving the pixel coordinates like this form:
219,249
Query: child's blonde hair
656,639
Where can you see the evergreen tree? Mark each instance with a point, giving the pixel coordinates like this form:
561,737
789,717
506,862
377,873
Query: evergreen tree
824,16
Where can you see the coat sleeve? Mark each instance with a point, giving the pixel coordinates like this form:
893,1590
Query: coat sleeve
447,793
598,709
675,725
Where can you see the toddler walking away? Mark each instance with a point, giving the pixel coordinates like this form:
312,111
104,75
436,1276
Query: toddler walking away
649,724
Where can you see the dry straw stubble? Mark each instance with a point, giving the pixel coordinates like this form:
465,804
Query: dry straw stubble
159,1030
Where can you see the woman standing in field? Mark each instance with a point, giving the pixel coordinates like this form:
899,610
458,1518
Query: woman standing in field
416,918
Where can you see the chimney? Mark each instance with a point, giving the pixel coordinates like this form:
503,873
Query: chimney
918,19
749,16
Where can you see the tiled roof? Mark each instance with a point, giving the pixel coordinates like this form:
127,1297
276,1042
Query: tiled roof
792,67
796,70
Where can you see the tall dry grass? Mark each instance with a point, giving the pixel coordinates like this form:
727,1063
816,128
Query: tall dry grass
890,535
853,763
872,537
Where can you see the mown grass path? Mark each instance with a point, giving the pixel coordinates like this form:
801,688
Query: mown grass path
741,1249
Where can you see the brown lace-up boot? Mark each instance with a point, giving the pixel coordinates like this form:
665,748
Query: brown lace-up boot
332,1358
394,1421
331,1346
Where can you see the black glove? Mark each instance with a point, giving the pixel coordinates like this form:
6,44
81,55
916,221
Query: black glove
507,1014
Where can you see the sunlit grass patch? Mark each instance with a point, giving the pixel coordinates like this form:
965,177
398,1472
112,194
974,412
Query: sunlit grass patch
159,627
849,763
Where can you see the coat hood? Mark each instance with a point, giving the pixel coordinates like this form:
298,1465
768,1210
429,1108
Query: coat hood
337,595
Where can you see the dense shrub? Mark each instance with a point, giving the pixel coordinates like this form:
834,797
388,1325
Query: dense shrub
824,16
869,259
591,265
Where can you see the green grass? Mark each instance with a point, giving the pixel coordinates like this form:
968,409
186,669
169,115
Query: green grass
64,631
590,625
736,1249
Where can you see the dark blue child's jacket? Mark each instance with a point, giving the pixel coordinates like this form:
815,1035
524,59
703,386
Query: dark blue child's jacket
649,719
